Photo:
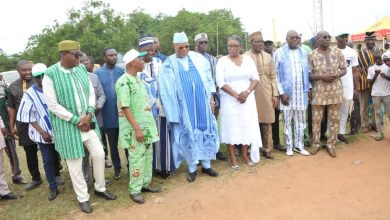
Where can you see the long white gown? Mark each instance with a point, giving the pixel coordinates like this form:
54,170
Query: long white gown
238,122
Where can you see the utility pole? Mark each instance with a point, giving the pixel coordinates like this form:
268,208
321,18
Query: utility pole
317,16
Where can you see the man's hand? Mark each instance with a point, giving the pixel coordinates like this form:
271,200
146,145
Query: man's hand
84,121
284,99
14,133
274,101
212,105
139,135
46,137
328,78
4,132
85,128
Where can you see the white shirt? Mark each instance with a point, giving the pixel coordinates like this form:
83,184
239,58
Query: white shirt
351,58
381,85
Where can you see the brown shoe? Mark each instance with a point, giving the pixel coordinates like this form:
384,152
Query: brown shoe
267,155
331,151
315,150
365,130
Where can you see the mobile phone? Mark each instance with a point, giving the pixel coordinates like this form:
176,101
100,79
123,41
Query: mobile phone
92,125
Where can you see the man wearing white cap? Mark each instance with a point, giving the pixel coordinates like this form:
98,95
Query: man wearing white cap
70,98
137,128
33,110
186,88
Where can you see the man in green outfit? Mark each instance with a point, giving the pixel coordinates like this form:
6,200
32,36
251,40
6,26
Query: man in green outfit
137,128
70,98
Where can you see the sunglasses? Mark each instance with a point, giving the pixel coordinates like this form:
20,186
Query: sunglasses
184,47
203,42
75,54
326,37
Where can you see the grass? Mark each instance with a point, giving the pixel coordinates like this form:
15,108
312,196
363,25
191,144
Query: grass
35,205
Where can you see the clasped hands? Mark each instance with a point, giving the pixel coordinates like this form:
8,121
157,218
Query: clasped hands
242,96
84,123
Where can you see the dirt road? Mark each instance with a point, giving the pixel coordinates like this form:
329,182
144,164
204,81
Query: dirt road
355,185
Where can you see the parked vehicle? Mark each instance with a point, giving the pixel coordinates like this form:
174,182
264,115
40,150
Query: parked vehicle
10,76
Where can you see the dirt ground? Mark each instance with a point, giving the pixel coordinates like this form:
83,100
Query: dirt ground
355,185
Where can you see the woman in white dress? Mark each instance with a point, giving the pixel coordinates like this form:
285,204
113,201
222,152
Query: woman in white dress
237,77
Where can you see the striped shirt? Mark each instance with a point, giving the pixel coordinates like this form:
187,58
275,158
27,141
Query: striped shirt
296,102
34,109
366,59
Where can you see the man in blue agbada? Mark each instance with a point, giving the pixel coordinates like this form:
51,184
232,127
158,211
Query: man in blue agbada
186,85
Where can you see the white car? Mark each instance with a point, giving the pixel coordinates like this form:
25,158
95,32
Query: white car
10,76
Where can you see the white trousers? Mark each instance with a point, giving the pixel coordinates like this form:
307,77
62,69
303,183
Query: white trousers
298,116
344,112
4,190
96,152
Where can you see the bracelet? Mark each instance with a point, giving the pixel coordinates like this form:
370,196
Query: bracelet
249,92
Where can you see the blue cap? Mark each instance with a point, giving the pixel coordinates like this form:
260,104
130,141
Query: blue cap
179,38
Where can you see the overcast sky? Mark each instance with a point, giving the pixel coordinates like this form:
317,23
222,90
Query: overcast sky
19,19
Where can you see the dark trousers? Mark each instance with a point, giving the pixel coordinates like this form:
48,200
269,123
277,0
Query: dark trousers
32,161
113,135
275,129
51,164
104,142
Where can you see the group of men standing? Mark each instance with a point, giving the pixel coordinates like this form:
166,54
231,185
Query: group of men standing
162,110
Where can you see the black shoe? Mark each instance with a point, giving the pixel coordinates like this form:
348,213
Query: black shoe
53,194
9,196
280,147
106,195
138,198
18,180
164,174
151,189
191,177
33,184
342,139
210,172
85,207
221,156
117,175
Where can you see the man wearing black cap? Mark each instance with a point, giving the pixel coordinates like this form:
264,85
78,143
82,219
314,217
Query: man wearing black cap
366,59
350,83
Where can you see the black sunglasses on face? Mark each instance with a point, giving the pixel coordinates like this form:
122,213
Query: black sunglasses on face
75,54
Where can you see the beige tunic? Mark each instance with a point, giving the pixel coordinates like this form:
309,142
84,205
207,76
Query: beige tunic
326,93
267,87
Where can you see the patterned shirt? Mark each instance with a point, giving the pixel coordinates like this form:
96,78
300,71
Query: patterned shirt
326,93
34,109
366,59
131,93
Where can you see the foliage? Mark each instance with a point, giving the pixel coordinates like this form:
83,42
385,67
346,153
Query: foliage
96,26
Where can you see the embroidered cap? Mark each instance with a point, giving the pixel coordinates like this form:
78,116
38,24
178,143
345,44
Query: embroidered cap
201,36
145,40
68,45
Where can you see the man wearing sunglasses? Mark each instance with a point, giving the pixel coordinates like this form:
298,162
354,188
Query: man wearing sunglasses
201,46
327,65
70,98
186,88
